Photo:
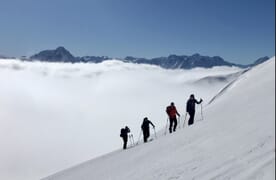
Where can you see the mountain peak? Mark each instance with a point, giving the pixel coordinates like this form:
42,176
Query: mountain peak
56,55
196,54
261,60
61,48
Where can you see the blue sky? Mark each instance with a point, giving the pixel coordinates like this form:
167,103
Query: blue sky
237,30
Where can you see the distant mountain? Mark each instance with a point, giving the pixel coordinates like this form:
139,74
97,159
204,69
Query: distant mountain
182,62
94,59
3,57
60,54
171,62
6,57
260,60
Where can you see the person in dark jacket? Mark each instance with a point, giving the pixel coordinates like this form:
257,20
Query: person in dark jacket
146,128
172,112
124,136
190,108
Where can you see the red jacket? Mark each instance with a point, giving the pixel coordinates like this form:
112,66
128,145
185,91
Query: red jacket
171,111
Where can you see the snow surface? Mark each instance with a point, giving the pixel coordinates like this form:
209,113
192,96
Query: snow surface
56,115
235,140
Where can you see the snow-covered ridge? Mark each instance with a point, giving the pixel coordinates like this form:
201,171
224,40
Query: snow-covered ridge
236,140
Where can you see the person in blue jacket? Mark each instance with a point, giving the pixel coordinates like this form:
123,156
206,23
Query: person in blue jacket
190,108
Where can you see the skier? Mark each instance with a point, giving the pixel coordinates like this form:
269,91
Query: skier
146,128
124,136
190,108
172,112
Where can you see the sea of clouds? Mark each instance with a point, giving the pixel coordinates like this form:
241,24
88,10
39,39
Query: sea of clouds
55,115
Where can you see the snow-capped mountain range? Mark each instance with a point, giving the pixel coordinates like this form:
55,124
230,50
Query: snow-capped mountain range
61,54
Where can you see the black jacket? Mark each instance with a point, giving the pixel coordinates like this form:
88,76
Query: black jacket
145,124
190,107
124,132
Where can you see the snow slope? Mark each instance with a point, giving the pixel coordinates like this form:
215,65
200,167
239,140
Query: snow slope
56,115
236,140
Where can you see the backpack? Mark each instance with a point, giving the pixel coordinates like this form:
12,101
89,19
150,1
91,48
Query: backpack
168,110
122,132
171,111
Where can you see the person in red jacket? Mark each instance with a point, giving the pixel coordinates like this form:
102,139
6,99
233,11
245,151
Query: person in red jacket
172,112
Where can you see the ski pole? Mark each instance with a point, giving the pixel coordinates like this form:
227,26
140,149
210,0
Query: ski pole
132,139
179,120
201,111
154,133
185,119
129,136
139,137
166,126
